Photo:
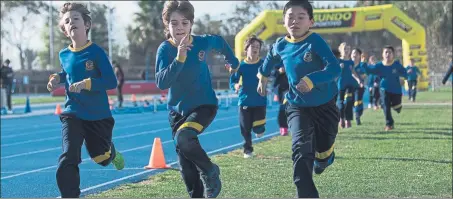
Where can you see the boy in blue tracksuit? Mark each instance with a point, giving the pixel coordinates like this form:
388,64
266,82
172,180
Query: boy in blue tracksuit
390,72
181,67
359,68
252,106
373,82
412,75
310,108
87,75
347,85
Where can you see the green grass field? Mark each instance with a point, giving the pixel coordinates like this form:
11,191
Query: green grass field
413,160
37,100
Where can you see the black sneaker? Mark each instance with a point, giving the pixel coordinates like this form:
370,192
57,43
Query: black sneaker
319,167
358,121
211,182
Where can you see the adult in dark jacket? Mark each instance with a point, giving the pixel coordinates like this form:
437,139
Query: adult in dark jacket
6,81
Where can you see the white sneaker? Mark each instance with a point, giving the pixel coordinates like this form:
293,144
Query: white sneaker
259,135
248,155
369,105
9,112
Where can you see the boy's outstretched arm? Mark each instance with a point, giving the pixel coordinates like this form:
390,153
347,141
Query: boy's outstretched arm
167,71
401,70
234,79
332,67
271,62
219,44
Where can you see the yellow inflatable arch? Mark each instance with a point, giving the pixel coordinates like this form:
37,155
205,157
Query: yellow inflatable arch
343,20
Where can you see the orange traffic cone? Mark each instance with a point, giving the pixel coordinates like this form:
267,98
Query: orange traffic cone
157,159
58,110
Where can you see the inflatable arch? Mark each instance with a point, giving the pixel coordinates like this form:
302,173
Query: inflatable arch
344,20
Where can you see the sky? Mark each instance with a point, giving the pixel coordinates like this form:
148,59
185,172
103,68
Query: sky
128,8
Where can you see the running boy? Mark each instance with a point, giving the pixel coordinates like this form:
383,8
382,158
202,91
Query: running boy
87,75
346,85
312,114
252,106
181,67
391,92
359,69
412,76
373,86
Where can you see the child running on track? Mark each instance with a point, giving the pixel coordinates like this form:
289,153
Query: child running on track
87,75
312,114
252,106
181,67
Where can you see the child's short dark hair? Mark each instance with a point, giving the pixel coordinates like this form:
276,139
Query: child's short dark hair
336,53
78,7
302,3
389,47
183,7
252,39
358,50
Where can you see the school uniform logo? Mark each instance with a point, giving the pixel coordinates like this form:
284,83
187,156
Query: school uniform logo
89,65
201,55
307,57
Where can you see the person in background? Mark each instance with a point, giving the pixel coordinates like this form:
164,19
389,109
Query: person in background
120,79
6,81
412,75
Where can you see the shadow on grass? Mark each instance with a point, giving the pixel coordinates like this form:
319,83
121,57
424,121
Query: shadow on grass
423,131
392,138
397,159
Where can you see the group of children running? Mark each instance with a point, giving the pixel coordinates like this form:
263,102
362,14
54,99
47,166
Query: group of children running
316,86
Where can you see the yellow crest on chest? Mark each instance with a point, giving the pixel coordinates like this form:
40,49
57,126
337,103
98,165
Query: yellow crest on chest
308,57
201,55
89,65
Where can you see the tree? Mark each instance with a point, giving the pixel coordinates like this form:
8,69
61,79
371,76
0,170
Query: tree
147,32
18,35
436,17
30,55
206,25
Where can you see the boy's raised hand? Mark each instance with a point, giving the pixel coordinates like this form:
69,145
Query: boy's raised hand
77,87
303,87
52,84
237,87
229,69
261,89
184,46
